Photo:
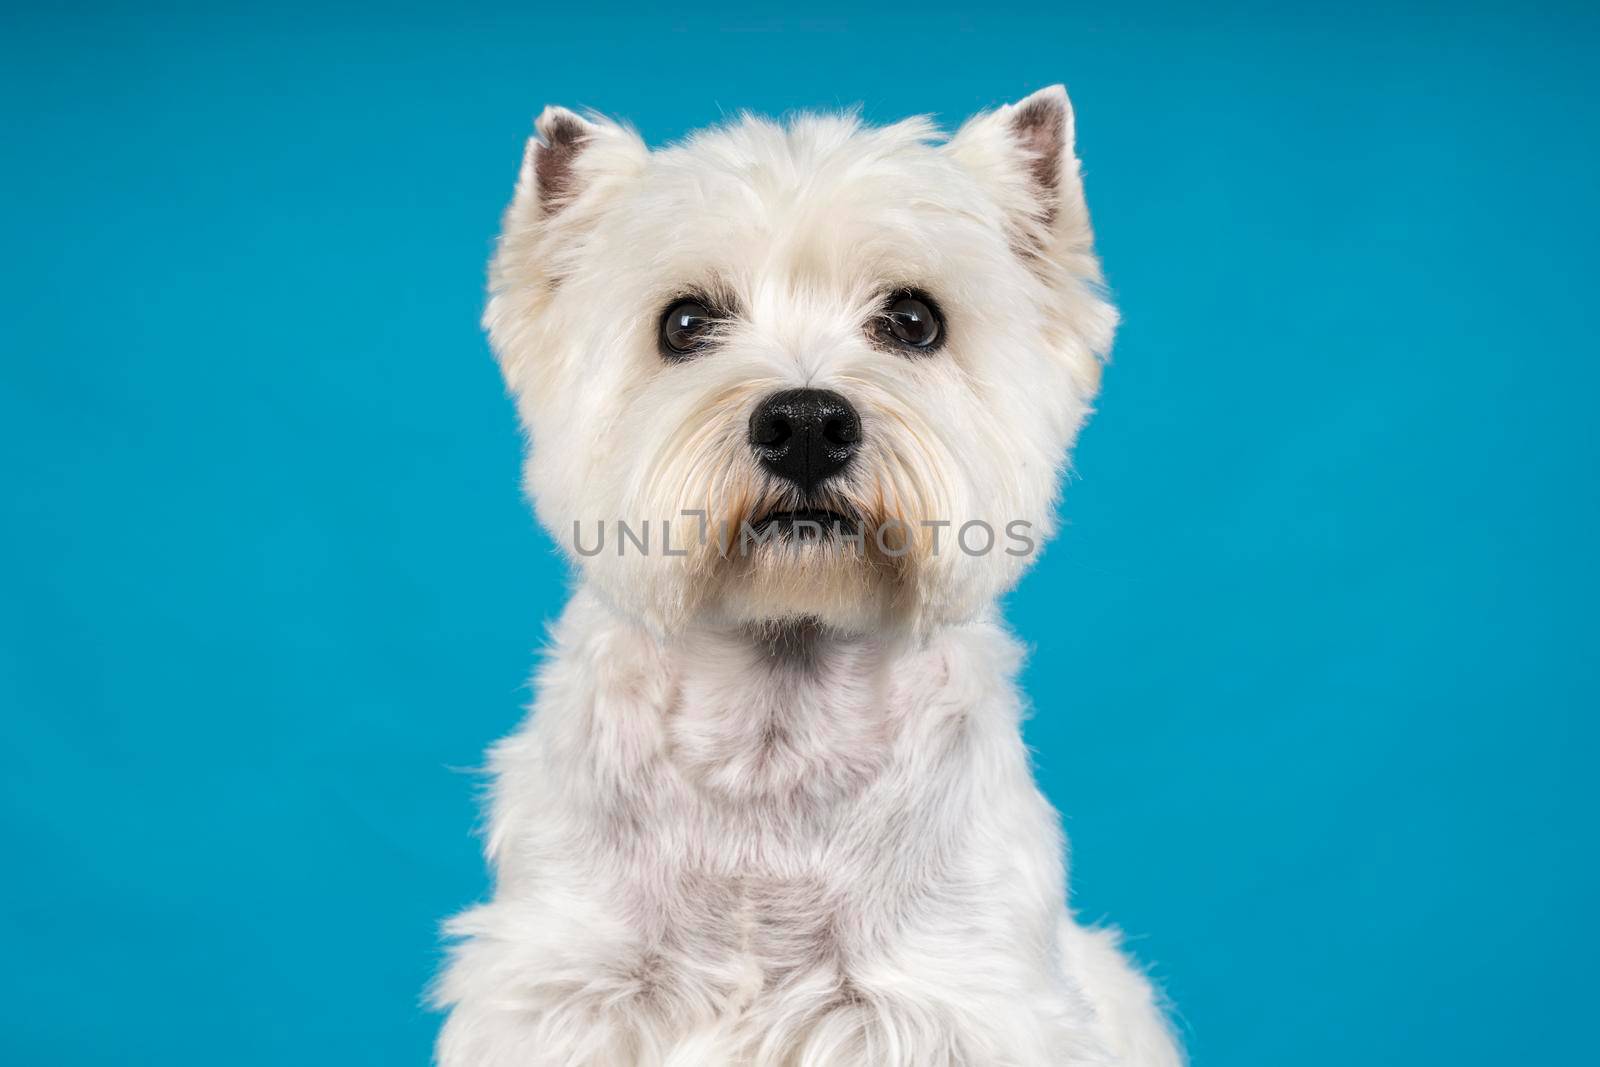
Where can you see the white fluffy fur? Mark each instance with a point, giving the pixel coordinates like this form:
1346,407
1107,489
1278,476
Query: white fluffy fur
776,811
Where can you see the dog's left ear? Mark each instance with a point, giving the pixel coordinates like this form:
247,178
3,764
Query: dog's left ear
1023,151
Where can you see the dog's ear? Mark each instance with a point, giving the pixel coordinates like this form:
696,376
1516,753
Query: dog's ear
572,171
570,159
1024,152
548,174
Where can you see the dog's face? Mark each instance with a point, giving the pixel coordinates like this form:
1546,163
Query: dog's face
807,371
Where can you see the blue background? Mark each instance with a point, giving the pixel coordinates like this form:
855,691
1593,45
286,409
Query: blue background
1315,656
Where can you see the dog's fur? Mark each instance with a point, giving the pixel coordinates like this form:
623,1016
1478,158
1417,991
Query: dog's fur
773,808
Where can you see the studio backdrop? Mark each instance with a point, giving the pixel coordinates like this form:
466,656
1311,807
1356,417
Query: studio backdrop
1313,660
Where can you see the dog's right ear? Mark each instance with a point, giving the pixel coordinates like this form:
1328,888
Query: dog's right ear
547,164
571,160
573,169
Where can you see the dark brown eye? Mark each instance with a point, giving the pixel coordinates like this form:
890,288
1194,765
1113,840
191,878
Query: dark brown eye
685,328
912,319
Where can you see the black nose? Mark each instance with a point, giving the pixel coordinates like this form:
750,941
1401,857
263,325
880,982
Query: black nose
805,435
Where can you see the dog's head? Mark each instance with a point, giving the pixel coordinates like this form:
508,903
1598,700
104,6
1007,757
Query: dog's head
806,370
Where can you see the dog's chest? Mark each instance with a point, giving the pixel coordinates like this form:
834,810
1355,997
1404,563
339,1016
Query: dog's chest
780,765
798,822
766,929
740,940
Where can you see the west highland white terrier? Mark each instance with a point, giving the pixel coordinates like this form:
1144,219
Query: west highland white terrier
798,398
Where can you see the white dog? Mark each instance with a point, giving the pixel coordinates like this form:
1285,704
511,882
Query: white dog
799,398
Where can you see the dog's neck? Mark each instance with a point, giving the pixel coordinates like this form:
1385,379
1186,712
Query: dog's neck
776,708
797,659
803,644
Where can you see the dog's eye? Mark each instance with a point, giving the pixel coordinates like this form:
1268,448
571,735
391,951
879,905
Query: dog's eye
911,318
685,328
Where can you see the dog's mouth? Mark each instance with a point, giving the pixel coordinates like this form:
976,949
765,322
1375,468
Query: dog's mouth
807,523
